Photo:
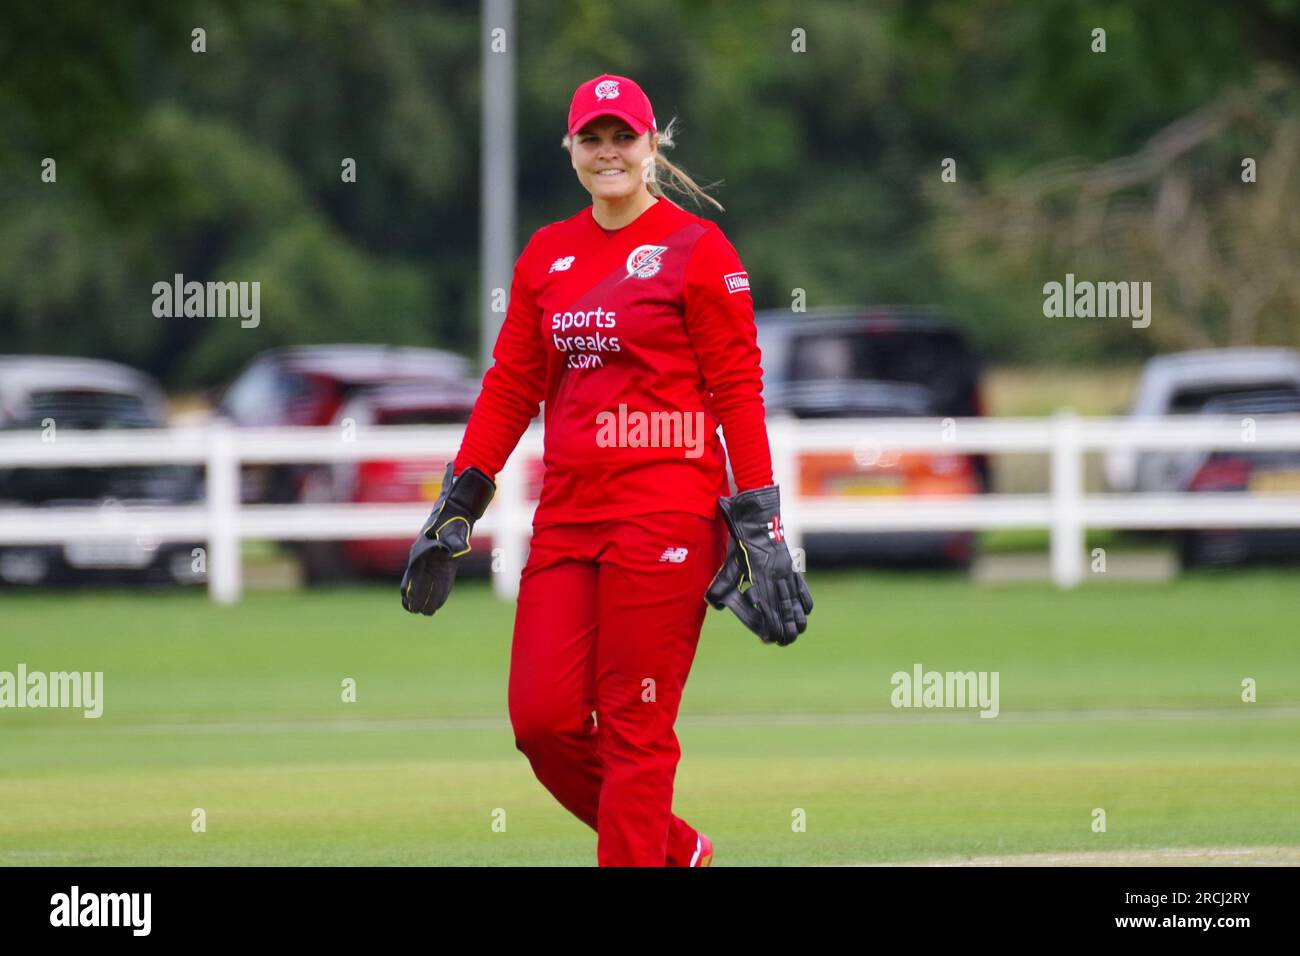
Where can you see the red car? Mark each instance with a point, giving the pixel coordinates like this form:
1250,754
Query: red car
307,385
390,481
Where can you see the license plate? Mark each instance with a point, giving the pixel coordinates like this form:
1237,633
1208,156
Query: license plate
858,486
1275,482
107,554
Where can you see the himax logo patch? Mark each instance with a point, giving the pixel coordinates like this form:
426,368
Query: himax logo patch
737,281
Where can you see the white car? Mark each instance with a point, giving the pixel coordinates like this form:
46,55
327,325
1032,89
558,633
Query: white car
1182,384
40,392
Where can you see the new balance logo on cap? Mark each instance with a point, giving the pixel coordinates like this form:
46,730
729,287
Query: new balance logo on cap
675,555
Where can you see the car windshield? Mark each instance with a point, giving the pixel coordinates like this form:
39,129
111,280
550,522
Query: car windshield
425,416
94,410
1195,398
936,360
86,409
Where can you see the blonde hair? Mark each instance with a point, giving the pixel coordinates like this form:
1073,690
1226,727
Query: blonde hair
675,177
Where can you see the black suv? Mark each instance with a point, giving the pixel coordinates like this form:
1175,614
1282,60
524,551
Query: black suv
876,362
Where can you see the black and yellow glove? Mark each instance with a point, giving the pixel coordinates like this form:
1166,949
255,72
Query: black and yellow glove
431,568
758,581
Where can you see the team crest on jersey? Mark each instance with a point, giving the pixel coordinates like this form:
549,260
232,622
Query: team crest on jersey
561,264
607,90
645,261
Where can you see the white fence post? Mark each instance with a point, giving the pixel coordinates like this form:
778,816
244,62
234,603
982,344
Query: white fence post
512,522
1067,500
224,584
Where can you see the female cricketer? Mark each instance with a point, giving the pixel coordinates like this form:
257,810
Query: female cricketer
633,322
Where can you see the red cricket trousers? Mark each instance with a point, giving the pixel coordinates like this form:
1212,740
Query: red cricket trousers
608,620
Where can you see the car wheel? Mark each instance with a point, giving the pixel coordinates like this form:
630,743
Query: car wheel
323,562
1196,549
24,566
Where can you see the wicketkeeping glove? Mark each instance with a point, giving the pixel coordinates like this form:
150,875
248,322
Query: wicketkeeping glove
758,581
431,569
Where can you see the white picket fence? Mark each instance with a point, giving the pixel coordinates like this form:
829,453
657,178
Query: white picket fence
223,522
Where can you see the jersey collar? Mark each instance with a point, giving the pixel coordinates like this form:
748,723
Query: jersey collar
638,221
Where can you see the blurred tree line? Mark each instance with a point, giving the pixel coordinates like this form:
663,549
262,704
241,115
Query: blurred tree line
225,165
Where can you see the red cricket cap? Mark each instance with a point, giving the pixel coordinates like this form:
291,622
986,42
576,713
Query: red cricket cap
609,95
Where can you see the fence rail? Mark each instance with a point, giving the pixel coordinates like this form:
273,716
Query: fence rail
223,521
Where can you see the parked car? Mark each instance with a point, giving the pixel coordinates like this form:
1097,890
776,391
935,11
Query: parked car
889,362
1249,471
307,385
1182,384
386,481
51,395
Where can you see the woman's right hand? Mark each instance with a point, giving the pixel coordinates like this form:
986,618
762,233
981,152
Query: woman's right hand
758,580
431,567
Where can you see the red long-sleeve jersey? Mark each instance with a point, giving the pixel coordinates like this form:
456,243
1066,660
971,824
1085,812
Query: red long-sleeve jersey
640,342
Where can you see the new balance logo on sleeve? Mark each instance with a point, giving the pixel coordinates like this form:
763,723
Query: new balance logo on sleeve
675,555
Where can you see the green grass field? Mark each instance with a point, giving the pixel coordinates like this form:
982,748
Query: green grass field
1121,696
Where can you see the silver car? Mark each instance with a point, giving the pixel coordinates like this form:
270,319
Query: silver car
43,392
1183,384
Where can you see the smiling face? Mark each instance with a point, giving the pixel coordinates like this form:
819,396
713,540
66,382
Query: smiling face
609,143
